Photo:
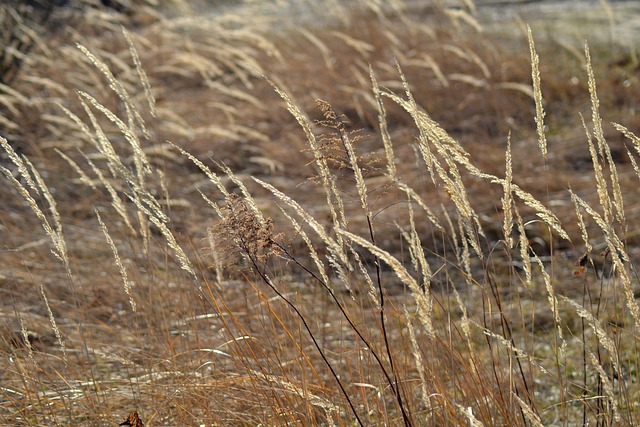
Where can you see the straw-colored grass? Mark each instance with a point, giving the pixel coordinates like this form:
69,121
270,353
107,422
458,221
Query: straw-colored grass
372,213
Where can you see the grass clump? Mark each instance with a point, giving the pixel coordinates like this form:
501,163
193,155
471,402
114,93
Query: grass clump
370,219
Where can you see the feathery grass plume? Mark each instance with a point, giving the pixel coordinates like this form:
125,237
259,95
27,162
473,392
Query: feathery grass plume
614,242
118,169
419,362
116,201
332,119
629,135
466,329
454,186
133,115
36,209
82,127
101,142
54,324
384,129
533,418
25,338
142,164
183,260
510,346
421,264
415,246
17,160
339,260
248,198
413,196
213,205
61,245
542,212
116,257
619,256
141,74
636,143
581,224
553,303
56,236
371,288
338,216
463,255
424,306
603,338
634,163
313,253
537,91
452,153
215,179
603,147
507,201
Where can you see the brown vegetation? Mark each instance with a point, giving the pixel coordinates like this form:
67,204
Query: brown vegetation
357,215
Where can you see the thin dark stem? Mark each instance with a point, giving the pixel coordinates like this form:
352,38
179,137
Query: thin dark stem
405,416
507,334
344,314
265,278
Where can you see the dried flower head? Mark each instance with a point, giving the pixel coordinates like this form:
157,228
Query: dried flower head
133,420
241,232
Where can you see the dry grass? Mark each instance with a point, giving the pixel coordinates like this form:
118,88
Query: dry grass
385,217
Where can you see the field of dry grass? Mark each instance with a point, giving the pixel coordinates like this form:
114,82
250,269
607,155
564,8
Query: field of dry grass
352,213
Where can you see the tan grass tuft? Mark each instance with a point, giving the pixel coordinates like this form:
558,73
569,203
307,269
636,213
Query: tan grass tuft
537,91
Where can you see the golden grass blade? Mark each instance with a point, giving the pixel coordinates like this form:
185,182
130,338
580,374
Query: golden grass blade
595,324
581,224
525,249
133,114
603,147
533,418
334,245
116,201
553,304
123,271
507,201
384,129
328,180
54,324
141,73
424,304
537,91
